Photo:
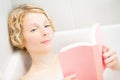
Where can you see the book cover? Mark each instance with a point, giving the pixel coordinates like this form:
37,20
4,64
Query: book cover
84,58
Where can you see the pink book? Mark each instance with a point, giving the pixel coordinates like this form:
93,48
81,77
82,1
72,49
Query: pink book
84,58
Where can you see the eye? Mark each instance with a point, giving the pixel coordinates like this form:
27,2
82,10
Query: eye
33,30
47,26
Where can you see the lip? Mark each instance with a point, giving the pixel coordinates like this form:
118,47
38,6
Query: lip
46,41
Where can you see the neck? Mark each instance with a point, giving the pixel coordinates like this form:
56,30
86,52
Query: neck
43,59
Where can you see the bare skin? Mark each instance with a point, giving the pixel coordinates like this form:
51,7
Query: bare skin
111,58
38,36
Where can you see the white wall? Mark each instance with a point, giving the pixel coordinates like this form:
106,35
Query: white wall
87,12
69,14
5,49
58,10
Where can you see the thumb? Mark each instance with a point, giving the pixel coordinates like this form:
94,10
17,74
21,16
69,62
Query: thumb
105,48
71,77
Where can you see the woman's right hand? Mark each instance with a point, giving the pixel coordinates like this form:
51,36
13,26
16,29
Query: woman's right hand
71,77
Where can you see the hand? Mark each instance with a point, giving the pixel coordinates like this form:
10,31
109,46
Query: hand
110,58
71,77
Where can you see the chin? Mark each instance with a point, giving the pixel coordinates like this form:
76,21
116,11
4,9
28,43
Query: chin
48,48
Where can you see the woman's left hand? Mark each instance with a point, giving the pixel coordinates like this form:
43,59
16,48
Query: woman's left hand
110,58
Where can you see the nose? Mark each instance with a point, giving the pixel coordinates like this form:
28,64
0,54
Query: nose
44,32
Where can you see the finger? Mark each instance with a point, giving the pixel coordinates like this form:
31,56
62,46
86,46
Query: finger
75,79
71,77
110,59
111,65
105,48
109,53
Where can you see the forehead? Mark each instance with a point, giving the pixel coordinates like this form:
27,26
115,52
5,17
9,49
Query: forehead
31,18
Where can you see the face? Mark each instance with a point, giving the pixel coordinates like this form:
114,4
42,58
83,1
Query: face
38,33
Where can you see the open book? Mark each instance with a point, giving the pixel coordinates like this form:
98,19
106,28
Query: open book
84,58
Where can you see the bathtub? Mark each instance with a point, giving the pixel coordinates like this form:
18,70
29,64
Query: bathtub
19,62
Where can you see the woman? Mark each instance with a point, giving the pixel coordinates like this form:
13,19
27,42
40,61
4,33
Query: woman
31,29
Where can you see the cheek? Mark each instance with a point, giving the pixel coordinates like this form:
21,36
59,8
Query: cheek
32,40
51,32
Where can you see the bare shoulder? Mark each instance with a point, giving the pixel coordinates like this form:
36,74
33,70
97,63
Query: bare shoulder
23,78
26,78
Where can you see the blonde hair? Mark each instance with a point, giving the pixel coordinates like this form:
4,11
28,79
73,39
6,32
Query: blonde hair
15,21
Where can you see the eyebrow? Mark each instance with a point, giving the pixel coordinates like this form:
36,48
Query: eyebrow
32,25
45,21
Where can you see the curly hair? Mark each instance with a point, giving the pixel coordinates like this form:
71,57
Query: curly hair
15,21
